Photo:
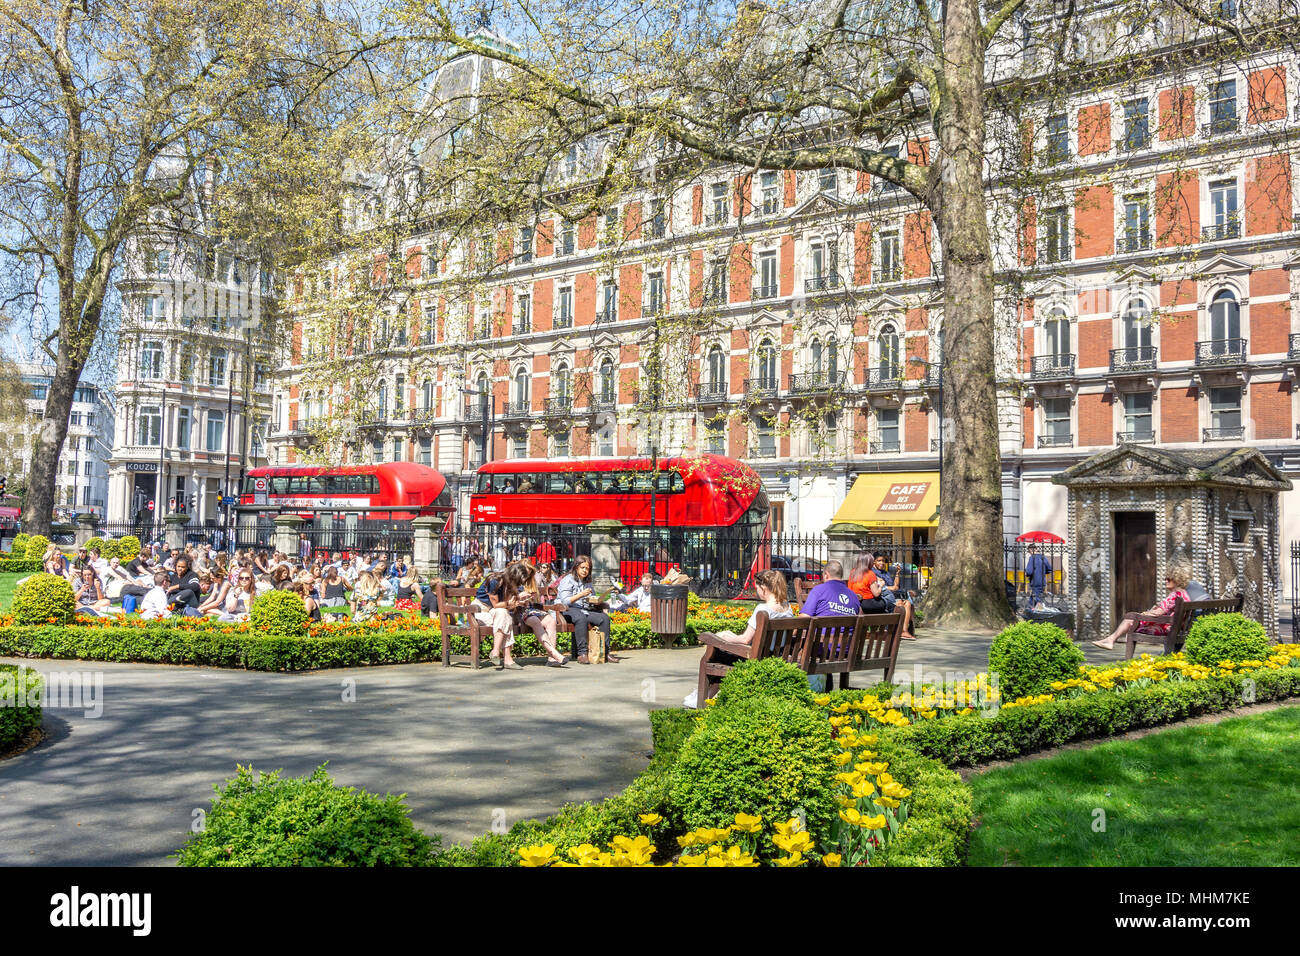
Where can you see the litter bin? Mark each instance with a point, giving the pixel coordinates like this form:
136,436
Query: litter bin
668,611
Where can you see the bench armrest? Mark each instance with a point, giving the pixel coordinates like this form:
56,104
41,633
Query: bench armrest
1149,618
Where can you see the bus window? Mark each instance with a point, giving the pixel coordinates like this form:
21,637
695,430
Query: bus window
279,486
484,484
623,483
679,485
641,485
529,484
558,483
316,486
584,484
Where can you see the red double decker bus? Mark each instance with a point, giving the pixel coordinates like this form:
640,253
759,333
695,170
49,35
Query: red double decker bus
710,512
395,491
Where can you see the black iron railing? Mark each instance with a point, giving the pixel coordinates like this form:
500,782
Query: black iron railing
1133,358
1221,352
1051,366
806,383
1224,433
761,387
1056,440
1136,436
884,378
711,392
1229,229
821,283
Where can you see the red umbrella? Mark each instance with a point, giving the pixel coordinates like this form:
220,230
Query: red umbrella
1041,537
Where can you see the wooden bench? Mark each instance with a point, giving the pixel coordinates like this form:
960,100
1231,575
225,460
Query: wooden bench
801,591
1184,615
456,616
816,645
783,638
841,645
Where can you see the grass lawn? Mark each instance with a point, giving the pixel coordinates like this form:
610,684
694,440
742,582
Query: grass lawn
1208,795
7,581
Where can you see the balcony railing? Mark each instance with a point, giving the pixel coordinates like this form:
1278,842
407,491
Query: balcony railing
1057,440
372,418
521,327
821,283
475,411
1220,126
889,273
564,321
1229,229
604,403
1293,351
422,416
560,406
1221,352
884,447
515,410
762,451
765,291
1136,436
806,383
1044,367
1133,142
1052,252
711,392
1135,242
884,378
606,315
305,425
1224,433
716,218
761,388
1135,358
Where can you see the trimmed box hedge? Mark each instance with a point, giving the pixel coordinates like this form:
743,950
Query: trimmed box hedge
20,707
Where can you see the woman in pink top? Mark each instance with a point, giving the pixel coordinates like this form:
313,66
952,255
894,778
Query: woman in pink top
1176,584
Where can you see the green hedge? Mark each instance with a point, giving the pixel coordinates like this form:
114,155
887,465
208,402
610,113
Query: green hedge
963,741
939,811
596,823
19,565
208,642
20,708
1215,638
264,820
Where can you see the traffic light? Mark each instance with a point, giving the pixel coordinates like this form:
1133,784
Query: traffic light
191,502
3,481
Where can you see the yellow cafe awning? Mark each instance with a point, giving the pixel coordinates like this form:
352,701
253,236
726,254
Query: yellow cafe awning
902,499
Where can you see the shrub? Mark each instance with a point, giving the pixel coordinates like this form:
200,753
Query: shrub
20,709
279,613
108,550
19,565
766,756
43,599
128,547
36,546
1029,655
939,811
768,677
263,820
18,547
1225,637
96,543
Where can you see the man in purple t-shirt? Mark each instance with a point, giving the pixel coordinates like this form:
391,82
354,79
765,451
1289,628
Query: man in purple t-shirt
831,598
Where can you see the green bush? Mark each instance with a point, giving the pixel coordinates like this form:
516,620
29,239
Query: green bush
18,547
96,543
20,709
43,599
128,547
1225,637
767,677
19,565
279,613
36,545
263,820
1029,655
764,755
939,811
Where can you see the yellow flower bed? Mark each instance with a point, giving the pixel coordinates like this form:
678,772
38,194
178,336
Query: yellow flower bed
872,809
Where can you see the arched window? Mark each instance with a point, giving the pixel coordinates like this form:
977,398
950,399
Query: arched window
521,386
815,356
1136,333
767,364
1225,319
887,358
563,383
717,370
608,385
1056,335
426,395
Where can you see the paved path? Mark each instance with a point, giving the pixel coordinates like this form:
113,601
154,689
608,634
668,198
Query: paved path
122,788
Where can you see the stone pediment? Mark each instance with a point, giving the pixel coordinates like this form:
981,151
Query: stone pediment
604,340
1136,277
887,303
765,319
1139,465
1222,265
819,205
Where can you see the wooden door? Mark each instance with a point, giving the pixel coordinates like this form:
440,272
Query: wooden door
1134,584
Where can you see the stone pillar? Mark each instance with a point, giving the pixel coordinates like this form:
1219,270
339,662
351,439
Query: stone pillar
844,543
426,551
174,536
87,525
286,534
605,551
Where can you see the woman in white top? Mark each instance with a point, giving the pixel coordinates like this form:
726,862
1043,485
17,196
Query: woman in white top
773,599
239,598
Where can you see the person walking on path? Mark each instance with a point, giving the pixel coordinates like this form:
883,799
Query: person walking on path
1037,570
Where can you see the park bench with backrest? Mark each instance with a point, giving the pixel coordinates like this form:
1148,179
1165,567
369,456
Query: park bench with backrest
841,645
1184,615
456,616
817,645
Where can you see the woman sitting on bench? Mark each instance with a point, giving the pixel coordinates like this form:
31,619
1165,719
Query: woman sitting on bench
1176,585
773,599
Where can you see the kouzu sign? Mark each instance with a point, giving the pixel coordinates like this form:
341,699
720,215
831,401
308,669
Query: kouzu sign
145,466
904,497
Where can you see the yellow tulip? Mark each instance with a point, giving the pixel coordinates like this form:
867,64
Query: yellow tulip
872,823
851,816
799,842
831,859
794,859
650,819
747,823
793,825
689,859
584,851
542,855
887,802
